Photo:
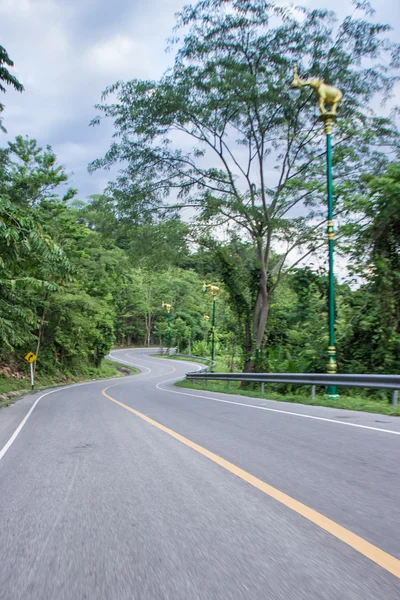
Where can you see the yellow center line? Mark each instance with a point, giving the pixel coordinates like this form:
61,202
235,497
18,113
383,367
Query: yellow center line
378,556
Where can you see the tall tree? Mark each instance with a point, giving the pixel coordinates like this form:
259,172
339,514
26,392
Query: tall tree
219,134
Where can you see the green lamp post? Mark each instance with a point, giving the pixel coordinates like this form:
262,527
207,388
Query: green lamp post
168,309
332,96
214,291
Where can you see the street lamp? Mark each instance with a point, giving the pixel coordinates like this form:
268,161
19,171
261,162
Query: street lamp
326,94
168,309
214,291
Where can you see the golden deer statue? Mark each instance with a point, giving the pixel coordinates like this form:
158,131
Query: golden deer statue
213,289
326,94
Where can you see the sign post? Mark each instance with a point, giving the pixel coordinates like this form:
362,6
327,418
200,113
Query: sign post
32,377
30,358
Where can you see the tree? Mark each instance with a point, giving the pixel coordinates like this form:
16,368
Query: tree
31,266
234,264
30,174
373,243
7,78
251,160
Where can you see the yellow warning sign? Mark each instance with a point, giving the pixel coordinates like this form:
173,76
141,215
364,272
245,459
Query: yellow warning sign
30,357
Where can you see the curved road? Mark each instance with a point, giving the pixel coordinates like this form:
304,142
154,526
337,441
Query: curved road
133,489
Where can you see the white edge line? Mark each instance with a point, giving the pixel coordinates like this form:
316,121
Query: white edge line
30,411
20,426
276,410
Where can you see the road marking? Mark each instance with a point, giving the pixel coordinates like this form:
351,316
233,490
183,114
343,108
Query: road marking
375,554
173,369
28,414
131,364
141,366
20,426
24,420
275,410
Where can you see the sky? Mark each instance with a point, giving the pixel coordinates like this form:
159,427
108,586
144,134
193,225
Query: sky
66,52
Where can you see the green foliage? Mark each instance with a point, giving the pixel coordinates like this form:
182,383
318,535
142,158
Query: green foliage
29,174
151,242
7,78
106,370
45,301
373,242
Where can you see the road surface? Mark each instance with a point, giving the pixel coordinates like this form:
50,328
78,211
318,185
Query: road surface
133,489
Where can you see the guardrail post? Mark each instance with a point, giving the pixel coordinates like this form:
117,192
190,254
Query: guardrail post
206,383
229,384
395,396
313,387
262,387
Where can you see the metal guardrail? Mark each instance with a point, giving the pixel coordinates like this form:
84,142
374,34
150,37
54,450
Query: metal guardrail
379,382
167,351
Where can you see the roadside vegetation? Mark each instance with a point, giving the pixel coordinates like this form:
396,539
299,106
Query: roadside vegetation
377,402
81,275
12,387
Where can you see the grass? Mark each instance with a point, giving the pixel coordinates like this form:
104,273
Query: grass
349,401
107,370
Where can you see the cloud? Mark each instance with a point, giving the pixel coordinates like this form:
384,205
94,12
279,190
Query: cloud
65,53
120,53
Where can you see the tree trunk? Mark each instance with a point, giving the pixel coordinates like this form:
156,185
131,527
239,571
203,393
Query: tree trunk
261,310
248,350
41,327
148,323
260,317
262,323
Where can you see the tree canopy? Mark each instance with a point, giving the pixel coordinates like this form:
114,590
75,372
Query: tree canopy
219,134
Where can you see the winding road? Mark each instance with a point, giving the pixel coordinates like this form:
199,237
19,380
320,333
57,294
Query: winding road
134,489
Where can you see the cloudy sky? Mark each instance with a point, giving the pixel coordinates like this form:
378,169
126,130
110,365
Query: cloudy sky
67,51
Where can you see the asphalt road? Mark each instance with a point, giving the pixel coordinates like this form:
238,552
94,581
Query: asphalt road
135,489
